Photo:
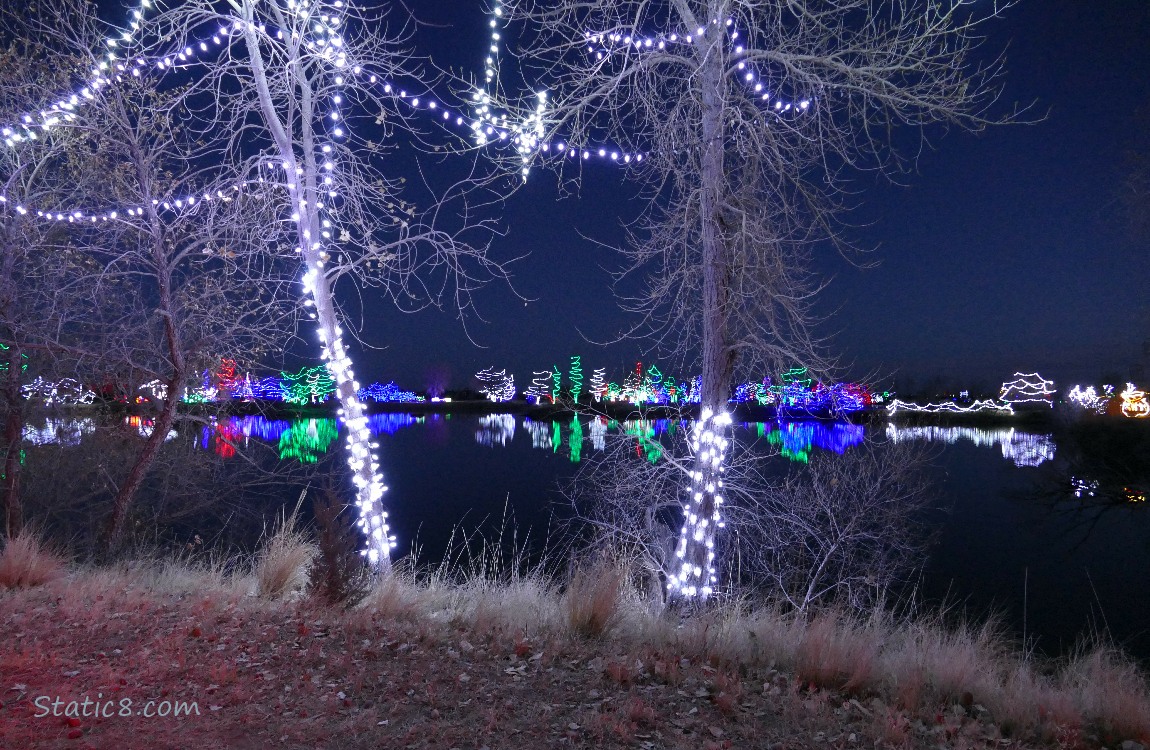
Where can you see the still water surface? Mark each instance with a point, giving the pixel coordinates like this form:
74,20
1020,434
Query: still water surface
1051,533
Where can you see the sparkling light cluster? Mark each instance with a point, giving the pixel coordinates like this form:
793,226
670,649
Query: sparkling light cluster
1088,398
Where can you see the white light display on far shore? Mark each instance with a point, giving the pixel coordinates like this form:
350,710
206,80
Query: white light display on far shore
1028,388
1134,404
64,392
950,407
497,386
1090,399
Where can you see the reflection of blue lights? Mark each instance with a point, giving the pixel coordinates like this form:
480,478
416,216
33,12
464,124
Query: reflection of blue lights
795,439
389,424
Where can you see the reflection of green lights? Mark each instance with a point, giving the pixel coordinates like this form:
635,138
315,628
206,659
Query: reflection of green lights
645,432
556,437
307,440
576,440
794,441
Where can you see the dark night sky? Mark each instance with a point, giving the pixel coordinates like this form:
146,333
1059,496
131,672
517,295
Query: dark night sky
1003,251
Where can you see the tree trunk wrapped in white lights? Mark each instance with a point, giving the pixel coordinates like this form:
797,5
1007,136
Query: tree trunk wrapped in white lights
276,93
744,113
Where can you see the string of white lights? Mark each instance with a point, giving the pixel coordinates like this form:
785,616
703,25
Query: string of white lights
1028,388
701,513
602,45
950,407
93,216
109,69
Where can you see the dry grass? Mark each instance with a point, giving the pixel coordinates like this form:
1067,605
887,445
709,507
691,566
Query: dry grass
593,600
887,681
284,560
26,562
1109,692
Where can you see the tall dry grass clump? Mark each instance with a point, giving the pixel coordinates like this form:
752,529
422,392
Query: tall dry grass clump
1110,692
26,562
284,559
593,602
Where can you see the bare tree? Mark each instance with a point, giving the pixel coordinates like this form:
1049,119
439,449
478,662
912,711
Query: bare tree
33,256
749,113
298,94
842,530
189,268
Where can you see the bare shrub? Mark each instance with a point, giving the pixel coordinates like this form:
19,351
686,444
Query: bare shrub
340,574
593,600
284,559
26,562
841,530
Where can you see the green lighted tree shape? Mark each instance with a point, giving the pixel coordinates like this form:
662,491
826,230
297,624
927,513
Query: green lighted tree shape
310,385
576,375
556,380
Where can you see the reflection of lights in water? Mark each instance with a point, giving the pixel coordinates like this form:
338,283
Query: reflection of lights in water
540,433
1023,448
145,427
575,442
598,433
307,439
495,429
795,439
1026,449
1083,487
59,431
389,424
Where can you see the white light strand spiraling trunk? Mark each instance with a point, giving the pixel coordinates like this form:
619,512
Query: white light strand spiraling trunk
301,174
711,436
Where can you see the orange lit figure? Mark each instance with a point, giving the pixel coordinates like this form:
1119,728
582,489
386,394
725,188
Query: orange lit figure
1134,404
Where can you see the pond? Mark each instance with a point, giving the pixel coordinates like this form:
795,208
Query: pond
1047,529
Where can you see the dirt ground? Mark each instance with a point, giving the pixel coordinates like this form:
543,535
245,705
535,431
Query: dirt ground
292,675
